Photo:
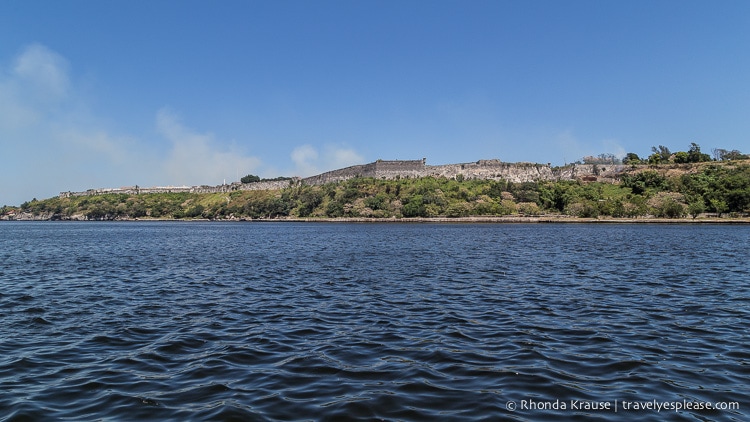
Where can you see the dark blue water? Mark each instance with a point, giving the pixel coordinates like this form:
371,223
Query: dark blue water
287,321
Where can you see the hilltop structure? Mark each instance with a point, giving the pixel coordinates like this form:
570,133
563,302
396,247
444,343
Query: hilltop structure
394,169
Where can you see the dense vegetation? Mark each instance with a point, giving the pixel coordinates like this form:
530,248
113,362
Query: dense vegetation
718,188
663,155
251,178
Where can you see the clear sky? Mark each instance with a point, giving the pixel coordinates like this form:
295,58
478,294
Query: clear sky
121,92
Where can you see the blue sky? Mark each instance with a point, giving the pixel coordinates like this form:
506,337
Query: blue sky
117,93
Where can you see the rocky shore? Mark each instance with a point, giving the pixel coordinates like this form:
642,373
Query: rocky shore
703,219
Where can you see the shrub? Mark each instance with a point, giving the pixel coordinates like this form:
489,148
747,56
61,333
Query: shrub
529,208
639,182
667,205
696,207
671,209
194,211
458,209
508,207
583,209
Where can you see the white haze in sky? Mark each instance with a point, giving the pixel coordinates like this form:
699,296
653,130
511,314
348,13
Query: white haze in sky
53,140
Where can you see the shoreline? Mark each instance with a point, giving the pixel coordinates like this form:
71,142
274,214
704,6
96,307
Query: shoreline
518,220
543,219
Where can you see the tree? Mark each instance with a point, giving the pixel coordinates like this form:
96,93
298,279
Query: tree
696,207
718,205
723,155
309,199
631,158
250,178
638,183
654,158
414,207
663,152
194,211
681,157
695,155
604,158
671,209
719,154
528,208
608,158
736,155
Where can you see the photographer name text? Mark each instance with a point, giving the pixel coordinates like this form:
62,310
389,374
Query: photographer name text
619,405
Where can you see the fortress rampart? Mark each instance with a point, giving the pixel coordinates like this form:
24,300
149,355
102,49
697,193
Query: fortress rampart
135,190
394,169
482,169
380,169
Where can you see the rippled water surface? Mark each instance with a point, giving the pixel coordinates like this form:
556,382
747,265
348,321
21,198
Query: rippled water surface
287,321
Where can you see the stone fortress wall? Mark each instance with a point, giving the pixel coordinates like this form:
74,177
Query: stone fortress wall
482,169
395,169
380,169
136,190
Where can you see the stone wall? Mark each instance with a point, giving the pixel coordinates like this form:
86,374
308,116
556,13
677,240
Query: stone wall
393,169
494,170
381,169
268,185
589,172
363,170
135,190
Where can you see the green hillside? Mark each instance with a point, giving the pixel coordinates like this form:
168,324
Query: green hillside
669,191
